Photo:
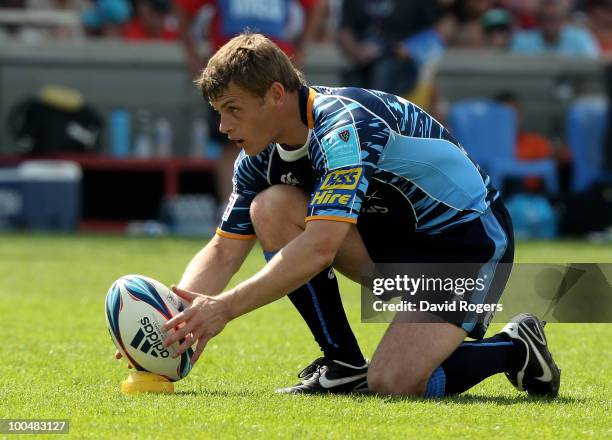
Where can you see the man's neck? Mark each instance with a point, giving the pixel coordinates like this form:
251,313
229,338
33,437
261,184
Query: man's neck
295,131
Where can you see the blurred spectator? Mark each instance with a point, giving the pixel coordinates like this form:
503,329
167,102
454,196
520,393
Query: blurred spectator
534,146
525,12
152,21
425,49
106,17
469,15
555,35
600,14
608,137
375,36
220,20
63,5
323,22
40,20
497,25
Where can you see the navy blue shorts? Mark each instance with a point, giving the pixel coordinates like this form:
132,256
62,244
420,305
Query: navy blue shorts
479,245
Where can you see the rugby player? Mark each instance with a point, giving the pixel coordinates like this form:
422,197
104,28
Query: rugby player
388,183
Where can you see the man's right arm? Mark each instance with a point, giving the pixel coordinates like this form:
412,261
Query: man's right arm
211,269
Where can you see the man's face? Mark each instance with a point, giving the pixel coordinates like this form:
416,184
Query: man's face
552,18
248,120
499,38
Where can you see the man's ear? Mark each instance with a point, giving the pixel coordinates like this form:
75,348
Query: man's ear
277,93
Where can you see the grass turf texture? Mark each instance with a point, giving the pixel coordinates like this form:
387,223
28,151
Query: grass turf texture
56,359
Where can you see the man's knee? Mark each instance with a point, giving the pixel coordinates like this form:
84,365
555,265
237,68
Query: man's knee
278,215
386,381
277,199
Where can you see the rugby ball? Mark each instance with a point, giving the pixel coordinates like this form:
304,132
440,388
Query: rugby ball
136,309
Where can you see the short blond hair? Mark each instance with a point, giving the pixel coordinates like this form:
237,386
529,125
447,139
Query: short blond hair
252,62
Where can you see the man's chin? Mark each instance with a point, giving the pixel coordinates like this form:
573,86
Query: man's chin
252,150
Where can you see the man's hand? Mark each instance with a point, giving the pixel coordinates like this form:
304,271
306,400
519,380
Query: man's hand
205,317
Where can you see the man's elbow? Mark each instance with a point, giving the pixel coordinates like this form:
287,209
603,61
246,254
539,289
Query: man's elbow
324,239
324,257
324,252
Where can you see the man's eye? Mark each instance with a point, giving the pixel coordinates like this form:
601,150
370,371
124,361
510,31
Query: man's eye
233,109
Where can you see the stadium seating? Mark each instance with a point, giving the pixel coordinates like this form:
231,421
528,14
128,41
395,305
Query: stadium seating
586,124
487,131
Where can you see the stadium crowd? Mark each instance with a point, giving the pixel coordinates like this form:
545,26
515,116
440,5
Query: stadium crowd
366,30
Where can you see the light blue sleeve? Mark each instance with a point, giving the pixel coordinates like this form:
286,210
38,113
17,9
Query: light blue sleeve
348,144
527,43
585,43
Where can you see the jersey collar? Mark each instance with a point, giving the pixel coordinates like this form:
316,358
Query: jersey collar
306,100
293,155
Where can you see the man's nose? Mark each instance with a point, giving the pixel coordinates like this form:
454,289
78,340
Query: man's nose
223,126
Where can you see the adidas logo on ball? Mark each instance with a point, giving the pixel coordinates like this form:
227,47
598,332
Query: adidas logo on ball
153,344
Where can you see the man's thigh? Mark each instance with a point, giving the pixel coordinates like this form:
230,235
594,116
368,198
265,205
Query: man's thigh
408,354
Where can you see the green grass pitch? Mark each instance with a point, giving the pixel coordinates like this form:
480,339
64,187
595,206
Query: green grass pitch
56,359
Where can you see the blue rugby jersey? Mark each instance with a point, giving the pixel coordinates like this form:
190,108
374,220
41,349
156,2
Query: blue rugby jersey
254,174
363,143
